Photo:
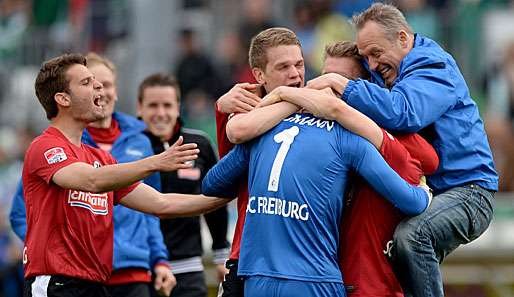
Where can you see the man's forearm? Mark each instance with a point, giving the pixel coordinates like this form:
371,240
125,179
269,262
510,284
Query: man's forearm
244,127
326,105
186,205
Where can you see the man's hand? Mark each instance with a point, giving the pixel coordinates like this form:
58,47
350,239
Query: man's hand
164,280
177,156
330,80
271,98
221,271
241,98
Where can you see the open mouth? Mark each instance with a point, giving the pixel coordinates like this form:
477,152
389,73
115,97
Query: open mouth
385,71
295,85
99,100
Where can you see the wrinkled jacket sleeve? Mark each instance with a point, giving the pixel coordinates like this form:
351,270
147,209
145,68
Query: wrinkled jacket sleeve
416,101
158,251
18,216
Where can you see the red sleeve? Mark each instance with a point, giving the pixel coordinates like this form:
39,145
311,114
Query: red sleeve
119,194
399,158
420,150
224,145
47,156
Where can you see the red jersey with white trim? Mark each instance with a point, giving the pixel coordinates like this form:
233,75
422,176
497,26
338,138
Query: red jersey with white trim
69,232
370,220
224,146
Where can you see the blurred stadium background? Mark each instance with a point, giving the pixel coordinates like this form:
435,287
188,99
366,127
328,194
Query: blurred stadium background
204,43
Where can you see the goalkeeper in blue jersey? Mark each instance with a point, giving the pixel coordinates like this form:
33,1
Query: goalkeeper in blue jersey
298,173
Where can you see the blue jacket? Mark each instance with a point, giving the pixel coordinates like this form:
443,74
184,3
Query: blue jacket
130,226
430,95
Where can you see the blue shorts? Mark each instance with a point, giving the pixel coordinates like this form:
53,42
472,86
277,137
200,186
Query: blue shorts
263,286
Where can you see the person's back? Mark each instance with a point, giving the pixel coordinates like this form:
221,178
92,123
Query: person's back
298,172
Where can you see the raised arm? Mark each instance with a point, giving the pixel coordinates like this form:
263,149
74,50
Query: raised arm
82,176
323,103
246,126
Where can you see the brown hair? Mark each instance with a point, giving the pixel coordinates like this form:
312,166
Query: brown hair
95,59
158,80
51,79
267,39
387,16
346,49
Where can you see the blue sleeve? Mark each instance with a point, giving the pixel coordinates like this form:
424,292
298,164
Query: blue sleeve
368,162
158,250
153,180
416,101
18,216
223,179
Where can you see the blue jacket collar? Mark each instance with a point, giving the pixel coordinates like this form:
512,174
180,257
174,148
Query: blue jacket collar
129,126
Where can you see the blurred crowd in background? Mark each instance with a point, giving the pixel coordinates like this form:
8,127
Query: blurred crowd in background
204,43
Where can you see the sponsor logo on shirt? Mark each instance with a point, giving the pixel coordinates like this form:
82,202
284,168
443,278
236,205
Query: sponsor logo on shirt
189,173
55,155
94,202
134,152
278,207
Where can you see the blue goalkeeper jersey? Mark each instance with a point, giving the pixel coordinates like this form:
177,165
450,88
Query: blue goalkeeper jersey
298,173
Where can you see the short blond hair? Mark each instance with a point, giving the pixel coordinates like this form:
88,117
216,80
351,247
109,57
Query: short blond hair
386,16
96,59
346,49
267,39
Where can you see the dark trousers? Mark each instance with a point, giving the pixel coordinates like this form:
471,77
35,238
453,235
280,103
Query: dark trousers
191,284
62,286
232,285
130,290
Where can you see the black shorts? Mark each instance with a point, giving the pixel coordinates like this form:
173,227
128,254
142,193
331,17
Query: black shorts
232,285
62,286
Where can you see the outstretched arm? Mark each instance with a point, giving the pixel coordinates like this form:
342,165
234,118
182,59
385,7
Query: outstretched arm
144,198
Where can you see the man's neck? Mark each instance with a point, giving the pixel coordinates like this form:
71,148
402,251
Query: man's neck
103,123
71,129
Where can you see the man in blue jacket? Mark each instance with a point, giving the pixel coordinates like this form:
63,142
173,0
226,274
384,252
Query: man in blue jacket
138,241
417,87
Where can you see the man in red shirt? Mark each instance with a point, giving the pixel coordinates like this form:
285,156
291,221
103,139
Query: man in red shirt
70,188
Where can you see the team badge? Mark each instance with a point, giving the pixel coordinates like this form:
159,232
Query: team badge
55,155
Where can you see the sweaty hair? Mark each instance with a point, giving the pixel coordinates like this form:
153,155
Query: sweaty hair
51,80
346,49
158,80
95,59
267,39
387,16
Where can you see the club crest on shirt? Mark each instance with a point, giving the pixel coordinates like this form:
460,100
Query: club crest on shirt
97,203
55,155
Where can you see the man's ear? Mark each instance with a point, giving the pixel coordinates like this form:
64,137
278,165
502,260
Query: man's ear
63,99
404,38
258,74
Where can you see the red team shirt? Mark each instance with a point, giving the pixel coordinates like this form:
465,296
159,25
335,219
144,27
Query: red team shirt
224,146
370,220
69,232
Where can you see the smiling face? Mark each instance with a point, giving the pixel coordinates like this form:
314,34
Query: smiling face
383,53
105,76
160,109
84,94
284,67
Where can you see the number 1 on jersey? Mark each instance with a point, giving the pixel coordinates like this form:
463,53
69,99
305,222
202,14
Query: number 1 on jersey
285,138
